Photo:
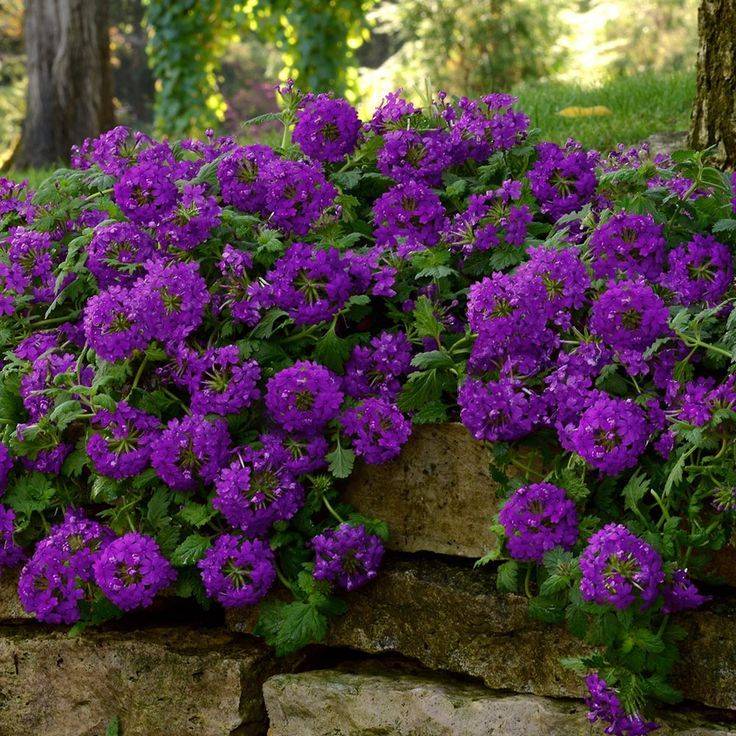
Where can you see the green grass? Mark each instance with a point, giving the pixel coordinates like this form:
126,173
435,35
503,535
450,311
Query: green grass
640,106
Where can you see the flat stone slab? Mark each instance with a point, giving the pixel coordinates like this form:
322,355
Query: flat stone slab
438,495
342,703
449,617
157,682
11,610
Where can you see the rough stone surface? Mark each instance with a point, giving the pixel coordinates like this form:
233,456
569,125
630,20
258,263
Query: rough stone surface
450,617
358,704
10,609
437,496
157,682
707,670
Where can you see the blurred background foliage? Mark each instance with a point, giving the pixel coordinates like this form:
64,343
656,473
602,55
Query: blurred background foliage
181,66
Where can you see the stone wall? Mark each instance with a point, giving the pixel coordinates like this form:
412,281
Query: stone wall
429,649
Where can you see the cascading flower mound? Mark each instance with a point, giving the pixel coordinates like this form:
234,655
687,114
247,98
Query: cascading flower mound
201,338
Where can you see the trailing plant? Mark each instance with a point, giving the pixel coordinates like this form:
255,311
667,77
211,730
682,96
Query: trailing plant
200,339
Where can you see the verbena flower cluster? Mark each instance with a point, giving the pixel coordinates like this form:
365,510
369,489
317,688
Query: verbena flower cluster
201,339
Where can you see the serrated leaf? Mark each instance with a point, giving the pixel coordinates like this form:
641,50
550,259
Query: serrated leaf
341,461
507,576
196,514
191,550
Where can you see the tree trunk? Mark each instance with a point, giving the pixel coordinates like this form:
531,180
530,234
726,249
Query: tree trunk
69,81
713,120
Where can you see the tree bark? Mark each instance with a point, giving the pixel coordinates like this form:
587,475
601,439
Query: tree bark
69,81
713,121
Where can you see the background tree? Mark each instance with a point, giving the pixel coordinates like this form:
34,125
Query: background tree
69,85
714,113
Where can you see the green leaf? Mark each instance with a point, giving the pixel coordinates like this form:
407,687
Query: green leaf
433,412
332,350
507,577
196,514
553,584
29,493
425,321
420,389
341,461
289,627
635,490
191,550
648,641
722,225
432,359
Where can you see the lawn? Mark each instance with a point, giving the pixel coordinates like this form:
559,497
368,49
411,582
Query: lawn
640,106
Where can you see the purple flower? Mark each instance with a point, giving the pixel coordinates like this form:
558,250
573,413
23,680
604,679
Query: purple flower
563,179
304,397
489,220
489,124
42,376
146,193
12,284
226,384
348,556
312,284
54,580
10,553
408,217
564,277
391,114
536,519
604,705
113,325
48,461
377,429
48,587
628,245
190,450
410,155
610,434
237,571
376,369
171,299
256,490
31,261
510,315
298,455
113,151
499,410
116,254
121,448
629,317
236,290
619,568
241,179
6,465
681,594
131,571
192,221
327,128
699,271
297,194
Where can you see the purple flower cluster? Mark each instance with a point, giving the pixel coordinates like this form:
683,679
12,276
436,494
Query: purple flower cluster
256,490
377,428
348,556
604,705
563,179
536,519
131,570
237,571
326,129
304,397
620,569
490,220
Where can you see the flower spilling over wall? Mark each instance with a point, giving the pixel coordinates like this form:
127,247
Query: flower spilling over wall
199,338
